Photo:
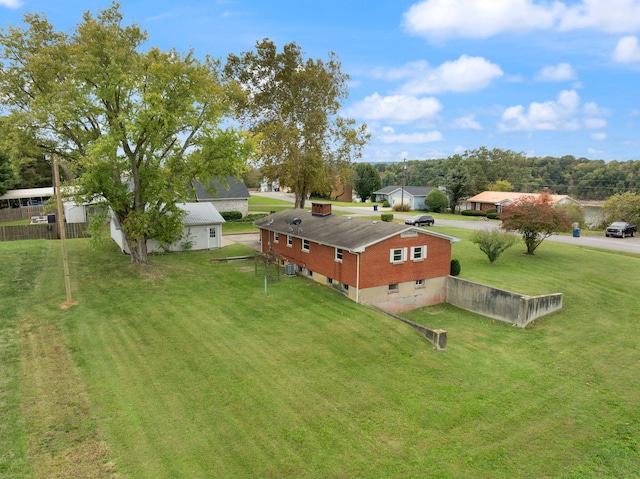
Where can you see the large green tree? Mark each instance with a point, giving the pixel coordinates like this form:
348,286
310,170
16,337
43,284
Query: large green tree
135,126
7,175
366,180
623,207
292,105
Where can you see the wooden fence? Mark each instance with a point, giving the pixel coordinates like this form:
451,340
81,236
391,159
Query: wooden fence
42,231
23,213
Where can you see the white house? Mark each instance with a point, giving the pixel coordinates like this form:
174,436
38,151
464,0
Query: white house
414,196
202,230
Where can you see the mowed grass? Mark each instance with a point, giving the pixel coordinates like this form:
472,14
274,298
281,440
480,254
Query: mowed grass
188,369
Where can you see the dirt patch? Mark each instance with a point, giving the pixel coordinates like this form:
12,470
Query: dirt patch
62,437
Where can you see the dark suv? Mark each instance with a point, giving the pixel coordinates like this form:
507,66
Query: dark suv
420,220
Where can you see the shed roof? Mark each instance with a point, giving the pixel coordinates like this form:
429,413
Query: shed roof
353,234
200,214
27,193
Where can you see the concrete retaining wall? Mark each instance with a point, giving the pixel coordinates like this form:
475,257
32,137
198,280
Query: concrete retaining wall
517,309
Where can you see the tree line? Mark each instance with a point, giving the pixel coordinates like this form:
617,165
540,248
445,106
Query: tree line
483,169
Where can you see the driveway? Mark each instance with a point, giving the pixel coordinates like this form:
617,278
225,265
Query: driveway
627,245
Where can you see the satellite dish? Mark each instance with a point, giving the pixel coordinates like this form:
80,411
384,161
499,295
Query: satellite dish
293,222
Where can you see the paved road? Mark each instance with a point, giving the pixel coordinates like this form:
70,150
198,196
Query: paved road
628,245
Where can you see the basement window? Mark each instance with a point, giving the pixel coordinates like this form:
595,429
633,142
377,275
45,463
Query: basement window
420,283
394,288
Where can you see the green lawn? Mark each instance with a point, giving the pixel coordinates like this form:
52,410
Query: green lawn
186,369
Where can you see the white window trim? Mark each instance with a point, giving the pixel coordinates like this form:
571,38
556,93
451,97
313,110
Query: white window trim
289,241
392,255
339,260
276,237
306,245
423,253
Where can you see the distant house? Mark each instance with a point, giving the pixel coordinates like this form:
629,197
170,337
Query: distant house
228,194
202,230
390,265
488,200
414,196
26,197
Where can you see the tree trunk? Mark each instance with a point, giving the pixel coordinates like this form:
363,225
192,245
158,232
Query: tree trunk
139,253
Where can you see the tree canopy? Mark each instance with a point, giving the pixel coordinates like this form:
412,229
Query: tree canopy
292,106
135,127
7,175
366,180
535,218
623,207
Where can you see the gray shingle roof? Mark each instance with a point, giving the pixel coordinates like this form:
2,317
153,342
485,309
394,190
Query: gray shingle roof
353,234
412,190
221,189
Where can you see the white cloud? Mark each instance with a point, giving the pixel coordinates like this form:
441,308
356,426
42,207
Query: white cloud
550,115
10,3
467,123
396,108
413,137
595,123
556,73
476,18
598,136
438,19
627,50
462,75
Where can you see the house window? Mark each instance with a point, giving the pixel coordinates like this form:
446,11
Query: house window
329,280
289,241
345,287
212,232
418,253
420,283
305,245
394,288
397,255
276,237
339,255
309,273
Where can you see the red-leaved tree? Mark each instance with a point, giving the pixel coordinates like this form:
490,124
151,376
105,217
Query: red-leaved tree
535,218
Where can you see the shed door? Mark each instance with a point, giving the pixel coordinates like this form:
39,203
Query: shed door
213,237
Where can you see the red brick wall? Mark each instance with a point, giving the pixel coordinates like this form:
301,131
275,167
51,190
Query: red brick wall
375,266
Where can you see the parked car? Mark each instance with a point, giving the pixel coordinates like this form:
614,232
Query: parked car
621,229
420,220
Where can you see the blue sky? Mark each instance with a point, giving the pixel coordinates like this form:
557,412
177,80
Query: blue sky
436,77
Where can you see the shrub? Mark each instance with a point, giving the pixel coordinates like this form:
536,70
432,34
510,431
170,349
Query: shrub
493,243
231,215
387,217
493,216
385,204
402,207
473,213
455,267
436,200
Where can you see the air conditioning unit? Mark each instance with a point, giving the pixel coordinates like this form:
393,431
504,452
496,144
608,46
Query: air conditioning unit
290,269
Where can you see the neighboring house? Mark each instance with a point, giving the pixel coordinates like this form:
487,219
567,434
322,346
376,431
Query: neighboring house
414,196
594,215
390,265
202,230
266,185
227,194
488,200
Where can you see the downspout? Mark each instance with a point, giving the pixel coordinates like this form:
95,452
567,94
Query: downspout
358,278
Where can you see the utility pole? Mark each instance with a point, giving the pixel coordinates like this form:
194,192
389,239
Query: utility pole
404,168
63,237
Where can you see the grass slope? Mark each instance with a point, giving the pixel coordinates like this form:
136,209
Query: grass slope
189,370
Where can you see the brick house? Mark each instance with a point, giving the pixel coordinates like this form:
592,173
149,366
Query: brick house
488,200
390,265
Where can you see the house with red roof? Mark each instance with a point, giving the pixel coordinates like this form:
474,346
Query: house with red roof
488,200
